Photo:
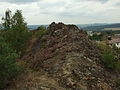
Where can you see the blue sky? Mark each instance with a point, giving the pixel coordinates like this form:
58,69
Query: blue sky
67,11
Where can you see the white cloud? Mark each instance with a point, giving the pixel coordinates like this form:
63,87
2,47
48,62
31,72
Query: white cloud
19,1
68,11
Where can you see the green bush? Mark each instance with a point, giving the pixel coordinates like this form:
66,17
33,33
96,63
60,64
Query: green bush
41,31
118,82
117,65
18,40
96,37
8,65
108,59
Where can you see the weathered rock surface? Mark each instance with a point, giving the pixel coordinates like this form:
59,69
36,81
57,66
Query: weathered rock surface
68,60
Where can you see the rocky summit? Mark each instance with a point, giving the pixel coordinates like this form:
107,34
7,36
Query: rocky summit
65,59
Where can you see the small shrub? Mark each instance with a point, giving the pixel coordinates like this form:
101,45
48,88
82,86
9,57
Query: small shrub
117,65
103,47
118,82
108,59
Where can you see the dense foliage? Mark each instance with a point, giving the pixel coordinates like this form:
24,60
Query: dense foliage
8,65
18,40
13,42
96,37
16,32
109,58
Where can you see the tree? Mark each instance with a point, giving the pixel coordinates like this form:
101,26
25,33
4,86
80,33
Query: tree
17,34
18,22
7,20
14,22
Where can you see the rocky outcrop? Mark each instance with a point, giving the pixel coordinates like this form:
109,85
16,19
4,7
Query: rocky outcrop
70,60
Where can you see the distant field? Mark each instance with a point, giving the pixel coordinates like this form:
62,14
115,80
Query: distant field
113,29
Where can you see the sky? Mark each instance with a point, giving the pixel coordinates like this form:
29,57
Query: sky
38,12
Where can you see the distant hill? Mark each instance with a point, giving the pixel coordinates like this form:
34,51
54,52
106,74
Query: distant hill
31,27
101,27
89,25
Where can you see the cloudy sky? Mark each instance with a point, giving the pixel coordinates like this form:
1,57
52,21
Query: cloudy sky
67,11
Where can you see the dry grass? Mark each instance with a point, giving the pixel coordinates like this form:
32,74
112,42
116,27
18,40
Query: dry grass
113,29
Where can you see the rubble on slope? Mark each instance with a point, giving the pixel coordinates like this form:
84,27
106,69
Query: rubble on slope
70,59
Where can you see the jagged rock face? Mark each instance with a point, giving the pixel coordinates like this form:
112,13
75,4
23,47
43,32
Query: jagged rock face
62,29
54,26
70,59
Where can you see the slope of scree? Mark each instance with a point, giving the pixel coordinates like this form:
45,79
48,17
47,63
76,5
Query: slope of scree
68,60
